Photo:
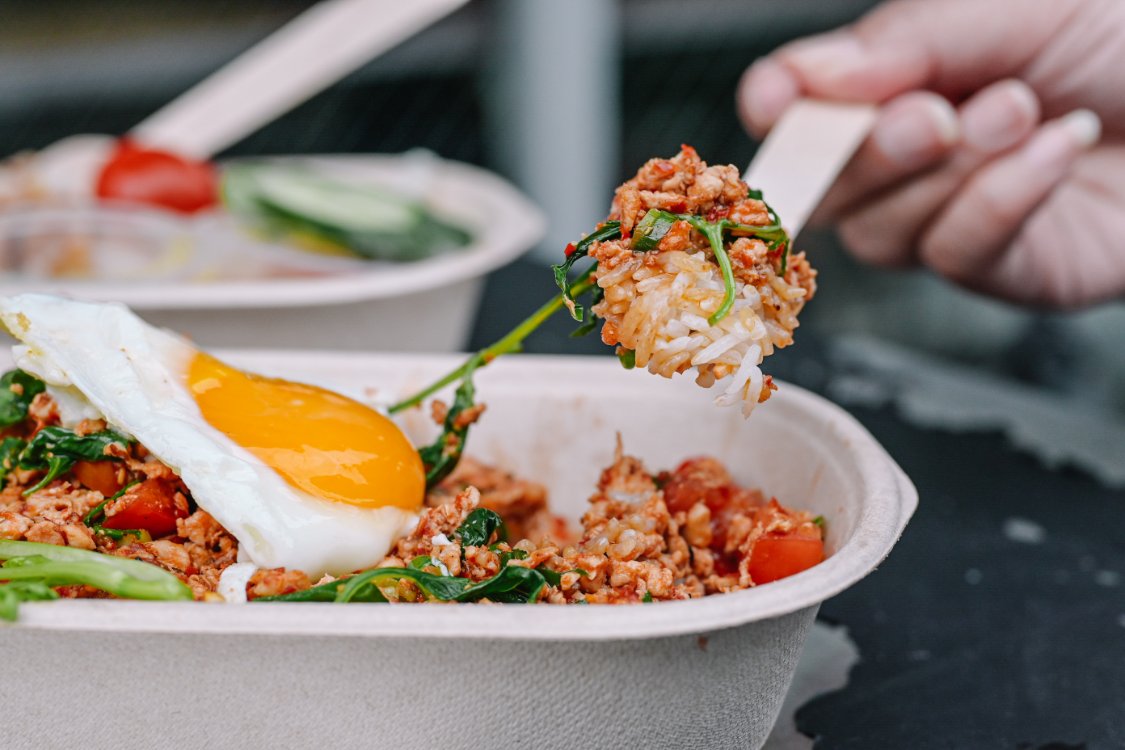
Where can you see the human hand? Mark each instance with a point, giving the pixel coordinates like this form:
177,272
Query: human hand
1008,191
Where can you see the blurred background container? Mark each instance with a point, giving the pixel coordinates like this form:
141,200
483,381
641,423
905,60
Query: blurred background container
566,99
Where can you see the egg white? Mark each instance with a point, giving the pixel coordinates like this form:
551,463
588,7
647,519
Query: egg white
134,376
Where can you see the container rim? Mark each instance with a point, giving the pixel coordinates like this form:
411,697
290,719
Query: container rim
515,225
890,501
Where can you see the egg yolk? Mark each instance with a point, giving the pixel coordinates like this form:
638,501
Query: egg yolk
322,443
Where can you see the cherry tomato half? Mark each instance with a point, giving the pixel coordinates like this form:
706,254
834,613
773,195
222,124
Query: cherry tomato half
136,174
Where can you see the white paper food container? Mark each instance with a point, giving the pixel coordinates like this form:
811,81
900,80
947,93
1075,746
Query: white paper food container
707,673
427,305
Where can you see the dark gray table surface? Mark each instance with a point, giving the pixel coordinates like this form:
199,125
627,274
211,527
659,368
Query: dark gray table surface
968,637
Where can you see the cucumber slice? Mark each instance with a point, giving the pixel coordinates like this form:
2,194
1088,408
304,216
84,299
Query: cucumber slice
336,205
300,204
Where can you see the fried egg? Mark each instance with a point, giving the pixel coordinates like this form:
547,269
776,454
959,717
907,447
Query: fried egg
303,477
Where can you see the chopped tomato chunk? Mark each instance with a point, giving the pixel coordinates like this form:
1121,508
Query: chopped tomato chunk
98,475
775,557
152,505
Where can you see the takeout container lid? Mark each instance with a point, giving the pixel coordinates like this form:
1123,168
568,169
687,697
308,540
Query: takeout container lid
552,419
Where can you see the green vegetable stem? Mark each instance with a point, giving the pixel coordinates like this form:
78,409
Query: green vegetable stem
33,569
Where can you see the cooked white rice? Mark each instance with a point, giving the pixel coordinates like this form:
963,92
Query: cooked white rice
660,308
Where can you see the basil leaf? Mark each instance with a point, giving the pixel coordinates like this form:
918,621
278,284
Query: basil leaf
13,405
628,358
611,230
514,585
477,528
10,450
442,456
596,296
56,450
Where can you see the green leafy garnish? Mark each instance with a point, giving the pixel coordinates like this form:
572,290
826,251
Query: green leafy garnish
17,390
628,357
513,584
10,450
442,456
647,598
55,450
819,521
31,568
611,230
477,528
515,554
651,229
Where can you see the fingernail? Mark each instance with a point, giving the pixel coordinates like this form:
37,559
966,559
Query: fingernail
1058,142
768,90
1084,126
914,133
1000,117
834,53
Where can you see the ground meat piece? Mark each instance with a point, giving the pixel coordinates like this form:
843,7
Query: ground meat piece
275,582
521,503
209,545
14,525
167,554
45,532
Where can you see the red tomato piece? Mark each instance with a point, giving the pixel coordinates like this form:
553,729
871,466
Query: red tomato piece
98,475
136,174
776,557
150,505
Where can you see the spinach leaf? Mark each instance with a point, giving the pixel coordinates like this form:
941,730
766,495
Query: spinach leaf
13,404
56,450
477,528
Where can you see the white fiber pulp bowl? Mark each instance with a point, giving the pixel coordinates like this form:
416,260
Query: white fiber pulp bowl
324,302
706,673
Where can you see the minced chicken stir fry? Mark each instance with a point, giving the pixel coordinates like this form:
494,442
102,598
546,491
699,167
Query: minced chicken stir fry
485,535
691,270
